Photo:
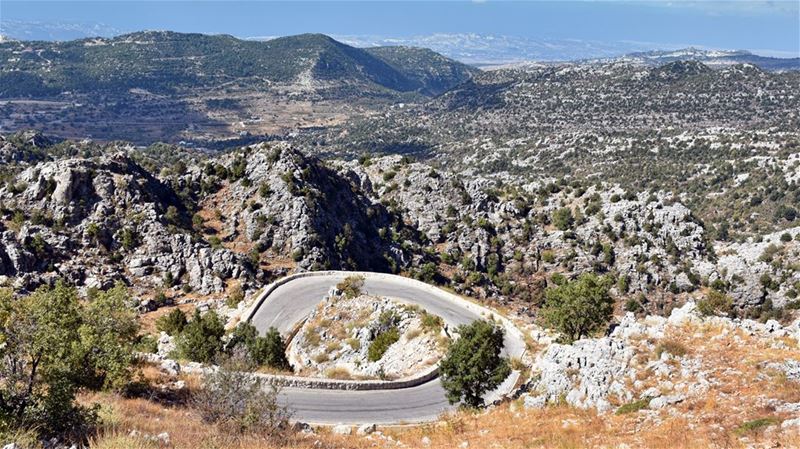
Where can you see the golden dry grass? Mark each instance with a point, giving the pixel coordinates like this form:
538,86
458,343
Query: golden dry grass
740,392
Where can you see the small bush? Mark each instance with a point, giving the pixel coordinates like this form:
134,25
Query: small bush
632,305
388,320
241,403
215,242
338,372
381,343
146,344
715,303
354,343
563,219
351,286
172,323
269,350
235,297
172,215
431,322
297,255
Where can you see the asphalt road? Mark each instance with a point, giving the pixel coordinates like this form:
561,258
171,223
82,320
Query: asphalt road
288,304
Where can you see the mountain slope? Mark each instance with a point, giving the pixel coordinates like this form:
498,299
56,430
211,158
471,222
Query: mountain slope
163,62
434,73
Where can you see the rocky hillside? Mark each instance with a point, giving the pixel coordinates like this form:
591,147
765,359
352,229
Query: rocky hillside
98,220
507,241
273,201
723,140
95,214
502,105
657,368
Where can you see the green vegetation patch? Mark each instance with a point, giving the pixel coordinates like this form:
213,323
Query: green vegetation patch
381,344
634,406
757,425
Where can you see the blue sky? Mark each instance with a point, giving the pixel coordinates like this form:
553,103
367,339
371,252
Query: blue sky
770,27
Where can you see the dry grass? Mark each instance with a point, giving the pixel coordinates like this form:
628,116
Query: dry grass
338,372
733,413
148,320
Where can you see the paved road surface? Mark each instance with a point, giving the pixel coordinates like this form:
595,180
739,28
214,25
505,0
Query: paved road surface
288,304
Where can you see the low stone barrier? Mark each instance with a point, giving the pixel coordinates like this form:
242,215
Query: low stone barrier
351,385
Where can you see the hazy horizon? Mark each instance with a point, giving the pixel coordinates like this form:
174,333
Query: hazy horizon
772,28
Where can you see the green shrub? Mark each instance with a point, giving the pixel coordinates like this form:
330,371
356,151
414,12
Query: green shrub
215,242
53,346
172,215
129,239
264,190
428,272
201,339
563,219
297,255
381,343
757,425
269,350
632,305
172,323
147,344
431,322
473,365
578,308
558,279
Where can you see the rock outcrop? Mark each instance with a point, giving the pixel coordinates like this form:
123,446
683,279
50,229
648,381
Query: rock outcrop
98,220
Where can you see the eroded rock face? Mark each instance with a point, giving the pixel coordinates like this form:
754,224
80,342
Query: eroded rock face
294,206
102,220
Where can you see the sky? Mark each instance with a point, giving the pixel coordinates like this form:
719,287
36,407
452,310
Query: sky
768,27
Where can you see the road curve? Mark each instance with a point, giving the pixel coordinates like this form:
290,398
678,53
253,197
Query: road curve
285,305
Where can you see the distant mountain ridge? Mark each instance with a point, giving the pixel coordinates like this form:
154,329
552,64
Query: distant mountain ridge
711,58
163,62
